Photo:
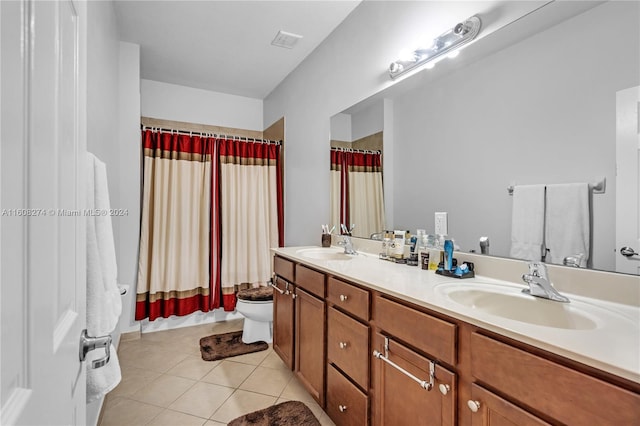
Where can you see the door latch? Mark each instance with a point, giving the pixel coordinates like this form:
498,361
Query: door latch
91,343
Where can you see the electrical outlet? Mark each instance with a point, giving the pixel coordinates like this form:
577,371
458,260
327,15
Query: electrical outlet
442,223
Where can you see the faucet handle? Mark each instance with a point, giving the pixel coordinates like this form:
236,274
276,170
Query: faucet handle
538,269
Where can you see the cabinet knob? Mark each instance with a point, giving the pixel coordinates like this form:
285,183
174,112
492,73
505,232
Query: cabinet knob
474,406
444,389
343,345
293,295
342,408
343,298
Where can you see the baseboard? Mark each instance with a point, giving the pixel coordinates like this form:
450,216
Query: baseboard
132,335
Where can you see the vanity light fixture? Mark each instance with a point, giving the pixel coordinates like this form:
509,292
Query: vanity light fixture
448,42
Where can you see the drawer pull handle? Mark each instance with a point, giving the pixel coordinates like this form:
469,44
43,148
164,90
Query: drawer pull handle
474,406
343,298
444,389
342,408
343,345
428,385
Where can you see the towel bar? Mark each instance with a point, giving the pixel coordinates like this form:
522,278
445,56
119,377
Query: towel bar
428,385
597,187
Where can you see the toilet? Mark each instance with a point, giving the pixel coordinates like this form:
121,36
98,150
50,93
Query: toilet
256,306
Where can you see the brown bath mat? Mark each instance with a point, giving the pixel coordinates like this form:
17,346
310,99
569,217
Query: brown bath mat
219,346
290,413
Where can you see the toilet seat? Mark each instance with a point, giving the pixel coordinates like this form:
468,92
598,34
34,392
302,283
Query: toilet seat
256,294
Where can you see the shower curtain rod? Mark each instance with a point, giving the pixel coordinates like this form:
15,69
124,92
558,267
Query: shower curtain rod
210,134
365,151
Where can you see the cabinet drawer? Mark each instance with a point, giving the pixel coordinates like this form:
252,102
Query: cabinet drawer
566,395
348,297
284,268
348,346
493,410
430,334
310,280
346,404
399,400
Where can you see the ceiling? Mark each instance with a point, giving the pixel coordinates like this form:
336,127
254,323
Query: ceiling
225,46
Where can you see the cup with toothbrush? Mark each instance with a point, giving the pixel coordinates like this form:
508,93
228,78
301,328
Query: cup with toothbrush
326,235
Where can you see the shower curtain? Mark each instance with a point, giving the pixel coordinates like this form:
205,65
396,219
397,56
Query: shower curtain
212,208
249,196
357,193
173,265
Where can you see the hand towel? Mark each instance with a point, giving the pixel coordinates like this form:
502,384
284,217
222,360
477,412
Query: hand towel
104,304
568,222
527,222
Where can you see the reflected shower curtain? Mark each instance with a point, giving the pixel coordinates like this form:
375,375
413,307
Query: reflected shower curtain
339,204
250,196
357,193
173,265
366,201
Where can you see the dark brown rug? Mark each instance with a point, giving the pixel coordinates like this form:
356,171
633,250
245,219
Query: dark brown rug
290,413
219,346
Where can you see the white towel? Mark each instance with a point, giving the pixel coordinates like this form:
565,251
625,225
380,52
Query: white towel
104,304
527,222
568,222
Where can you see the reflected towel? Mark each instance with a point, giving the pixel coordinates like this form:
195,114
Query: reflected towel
527,222
104,304
568,222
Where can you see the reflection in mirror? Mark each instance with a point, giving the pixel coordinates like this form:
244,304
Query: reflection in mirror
357,198
532,103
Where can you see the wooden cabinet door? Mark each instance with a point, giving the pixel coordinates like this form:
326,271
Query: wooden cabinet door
283,320
310,343
401,401
491,410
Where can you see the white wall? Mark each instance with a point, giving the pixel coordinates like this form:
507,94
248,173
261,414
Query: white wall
129,179
367,121
102,115
349,66
341,127
180,103
541,111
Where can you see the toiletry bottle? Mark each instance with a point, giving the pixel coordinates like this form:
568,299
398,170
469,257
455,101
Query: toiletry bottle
434,257
448,255
399,240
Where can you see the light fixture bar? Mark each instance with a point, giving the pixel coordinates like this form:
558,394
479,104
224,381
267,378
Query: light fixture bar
446,42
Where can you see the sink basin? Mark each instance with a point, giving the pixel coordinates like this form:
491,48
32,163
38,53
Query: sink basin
510,303
323,254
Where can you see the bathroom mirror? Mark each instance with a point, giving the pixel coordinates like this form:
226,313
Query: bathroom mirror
532,103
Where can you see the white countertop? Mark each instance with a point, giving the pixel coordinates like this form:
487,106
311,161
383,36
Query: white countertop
611,343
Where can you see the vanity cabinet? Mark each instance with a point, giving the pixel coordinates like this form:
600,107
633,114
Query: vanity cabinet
411,385
310,331
348,353
547,388
368,357
283,320
490,410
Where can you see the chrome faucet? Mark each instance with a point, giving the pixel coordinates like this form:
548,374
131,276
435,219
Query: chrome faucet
574,260
539,283
348,245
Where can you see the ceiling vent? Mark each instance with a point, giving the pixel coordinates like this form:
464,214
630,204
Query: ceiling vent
286,40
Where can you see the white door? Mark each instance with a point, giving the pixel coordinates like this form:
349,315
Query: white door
42,255
628,179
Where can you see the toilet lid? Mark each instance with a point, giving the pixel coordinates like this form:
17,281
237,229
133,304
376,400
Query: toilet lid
256,294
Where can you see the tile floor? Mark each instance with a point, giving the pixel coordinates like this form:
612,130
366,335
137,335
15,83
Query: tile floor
165,382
